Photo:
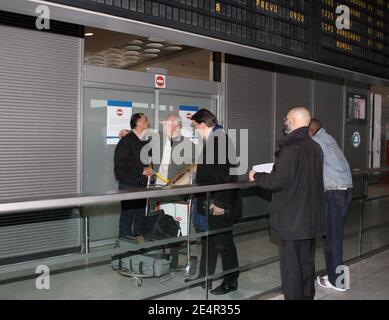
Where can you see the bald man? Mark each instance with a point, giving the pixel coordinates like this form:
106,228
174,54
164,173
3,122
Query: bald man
297,206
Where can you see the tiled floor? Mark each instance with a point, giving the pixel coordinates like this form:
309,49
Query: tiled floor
369,280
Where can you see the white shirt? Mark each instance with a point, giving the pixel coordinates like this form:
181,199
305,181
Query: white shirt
164,167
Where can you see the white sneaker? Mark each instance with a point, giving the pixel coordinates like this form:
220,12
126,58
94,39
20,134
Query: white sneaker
325,283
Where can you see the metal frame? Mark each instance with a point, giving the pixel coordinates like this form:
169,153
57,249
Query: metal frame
109,22
126,78
117,79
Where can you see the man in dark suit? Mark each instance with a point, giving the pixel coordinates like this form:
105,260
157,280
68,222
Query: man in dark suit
297,205
131,172
216,170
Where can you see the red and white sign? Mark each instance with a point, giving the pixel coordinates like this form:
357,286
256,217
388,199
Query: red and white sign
160,81
119,112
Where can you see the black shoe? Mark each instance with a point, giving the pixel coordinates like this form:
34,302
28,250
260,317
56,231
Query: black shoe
225,288
203,284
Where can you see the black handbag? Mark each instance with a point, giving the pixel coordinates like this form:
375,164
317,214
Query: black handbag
159,226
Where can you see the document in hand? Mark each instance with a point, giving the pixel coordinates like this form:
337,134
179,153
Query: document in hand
265,167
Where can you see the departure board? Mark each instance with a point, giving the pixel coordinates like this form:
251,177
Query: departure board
301,28
278,25
365,46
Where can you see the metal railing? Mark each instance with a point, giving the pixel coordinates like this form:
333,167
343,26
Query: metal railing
84,199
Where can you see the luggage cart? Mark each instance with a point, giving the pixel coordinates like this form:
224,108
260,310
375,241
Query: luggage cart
130,246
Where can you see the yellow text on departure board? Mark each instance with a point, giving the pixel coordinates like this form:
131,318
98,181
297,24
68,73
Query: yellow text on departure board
327,27
218,7
267,6
359,3
296,16
348,35
344,46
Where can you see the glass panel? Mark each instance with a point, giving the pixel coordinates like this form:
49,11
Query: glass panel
375,217
244,245
351,231
98,164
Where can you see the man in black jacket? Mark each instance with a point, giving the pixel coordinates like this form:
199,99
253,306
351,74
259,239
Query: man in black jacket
216,171
297,206
131,172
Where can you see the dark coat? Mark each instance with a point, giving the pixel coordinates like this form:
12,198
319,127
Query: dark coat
297,206
218,172
128,165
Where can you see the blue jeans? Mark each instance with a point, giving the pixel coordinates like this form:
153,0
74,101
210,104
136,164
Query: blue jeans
337,203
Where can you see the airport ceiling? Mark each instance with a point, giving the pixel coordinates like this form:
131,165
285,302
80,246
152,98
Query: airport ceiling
125,51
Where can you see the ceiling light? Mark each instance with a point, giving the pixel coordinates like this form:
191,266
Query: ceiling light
133,48
152,50
136,42
155,39
154,45
89,34
174,48
150,55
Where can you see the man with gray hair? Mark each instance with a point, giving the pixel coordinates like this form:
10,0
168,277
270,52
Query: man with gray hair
297,205
172,152
170,165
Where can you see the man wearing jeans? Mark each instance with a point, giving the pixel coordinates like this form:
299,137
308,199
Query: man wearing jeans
338,192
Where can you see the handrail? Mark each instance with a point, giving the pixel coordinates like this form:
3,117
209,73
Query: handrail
80,199
357,172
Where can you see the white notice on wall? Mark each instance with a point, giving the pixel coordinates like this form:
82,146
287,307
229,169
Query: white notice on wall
186,112
118,117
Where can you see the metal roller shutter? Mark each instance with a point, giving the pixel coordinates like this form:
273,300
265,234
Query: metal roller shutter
249,106
39,83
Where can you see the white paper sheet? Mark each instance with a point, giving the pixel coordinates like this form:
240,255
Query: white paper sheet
265,167
118,117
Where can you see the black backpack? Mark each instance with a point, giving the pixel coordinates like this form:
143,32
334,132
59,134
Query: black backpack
159,226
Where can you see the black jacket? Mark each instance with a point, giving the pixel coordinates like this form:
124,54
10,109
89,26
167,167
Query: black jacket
128,165
297,206
218,172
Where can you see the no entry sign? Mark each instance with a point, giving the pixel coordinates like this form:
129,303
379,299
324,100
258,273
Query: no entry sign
119,112
160,81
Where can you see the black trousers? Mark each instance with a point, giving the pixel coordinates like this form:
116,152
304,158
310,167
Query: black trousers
131,216
297,261
220,244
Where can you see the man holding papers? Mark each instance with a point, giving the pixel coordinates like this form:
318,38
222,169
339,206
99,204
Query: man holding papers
297,206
